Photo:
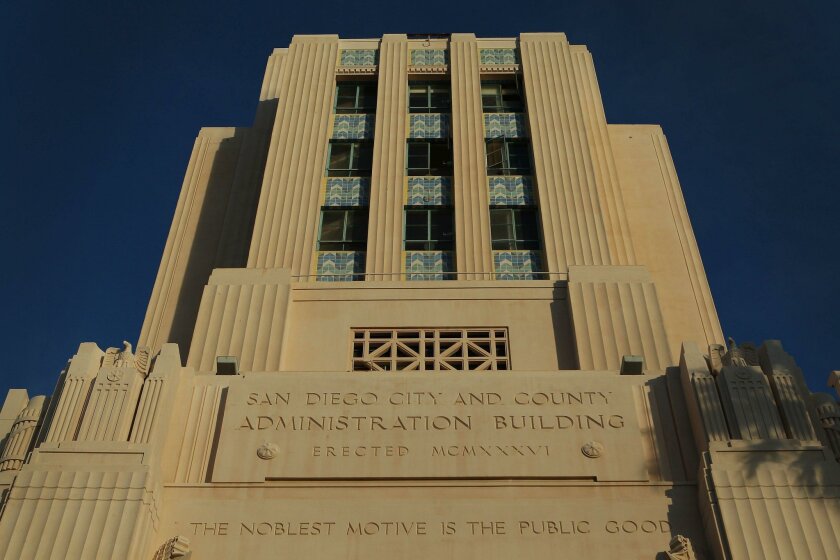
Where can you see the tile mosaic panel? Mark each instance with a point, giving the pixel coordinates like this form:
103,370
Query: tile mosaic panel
428,125
428,265
428,57
429,191
357,57
340,266
352,127
505,125
512,190
499,57
347,191
517,265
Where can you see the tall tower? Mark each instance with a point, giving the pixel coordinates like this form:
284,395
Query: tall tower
430,303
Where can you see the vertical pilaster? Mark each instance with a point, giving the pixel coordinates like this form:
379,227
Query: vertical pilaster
384,247
473,252
287,214
570,209
606,177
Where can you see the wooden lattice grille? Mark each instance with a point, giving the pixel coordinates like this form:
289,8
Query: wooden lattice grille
457,349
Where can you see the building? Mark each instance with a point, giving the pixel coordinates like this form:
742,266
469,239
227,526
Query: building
429,304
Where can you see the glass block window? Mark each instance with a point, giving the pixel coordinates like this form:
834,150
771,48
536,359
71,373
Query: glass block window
429,265
428,229
511,190
350,159
357,57
508,157
499,56
352,127
343,229
505,125
347,191
431,125
429,97
355,97
517,265
430,349
428,158
514,228
429,191
428,57
340,266
502,96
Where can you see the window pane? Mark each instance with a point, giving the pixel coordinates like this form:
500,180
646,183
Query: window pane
340,156
356,229
332,225
440,159
518,156
418,156
416,225
501,228
367,97
440,97
441,228
363,155
495,154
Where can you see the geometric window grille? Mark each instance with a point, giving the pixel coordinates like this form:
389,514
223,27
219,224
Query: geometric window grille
425,349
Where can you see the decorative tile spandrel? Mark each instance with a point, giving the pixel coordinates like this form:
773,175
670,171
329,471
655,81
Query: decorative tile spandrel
347,191
358,57
517,265
340,266
429,191
505,125
428,265
511,190
352,127
430,125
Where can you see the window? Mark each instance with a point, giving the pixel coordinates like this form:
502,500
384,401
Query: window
343,230
350,159
429,158
355,97
508,157
429,97
428,229
501,97
514,229
431,349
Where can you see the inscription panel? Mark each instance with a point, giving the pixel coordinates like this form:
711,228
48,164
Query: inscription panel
429,425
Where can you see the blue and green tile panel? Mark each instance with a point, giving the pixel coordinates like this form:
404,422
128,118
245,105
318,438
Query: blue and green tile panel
340,266
429,191
429,265
428,57
499,56
505,125
357,57
517,265
347,191
352,127
428,125
512,190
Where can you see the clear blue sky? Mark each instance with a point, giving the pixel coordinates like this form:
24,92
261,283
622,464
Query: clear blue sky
100,103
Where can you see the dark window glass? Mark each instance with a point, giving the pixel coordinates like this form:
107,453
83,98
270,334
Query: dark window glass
355,97
343,230
501,97
514,228
428,229
508,157
429,97
429,158
350,159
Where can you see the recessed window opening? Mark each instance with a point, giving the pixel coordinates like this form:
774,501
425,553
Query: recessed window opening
355,97
428,158
508,157
428,229
503,96
514,229
343,229
350,159
429,97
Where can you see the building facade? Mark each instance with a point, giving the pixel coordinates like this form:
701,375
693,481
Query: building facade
429,304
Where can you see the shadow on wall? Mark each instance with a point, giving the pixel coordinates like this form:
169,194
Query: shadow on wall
226,218
561,320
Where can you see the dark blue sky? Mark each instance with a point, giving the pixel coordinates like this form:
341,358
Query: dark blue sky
100,103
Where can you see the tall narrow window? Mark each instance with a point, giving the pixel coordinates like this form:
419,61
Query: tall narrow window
501,97
428,229
508,157
514,229
429,158
355,97
343,229
350,159
428,97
